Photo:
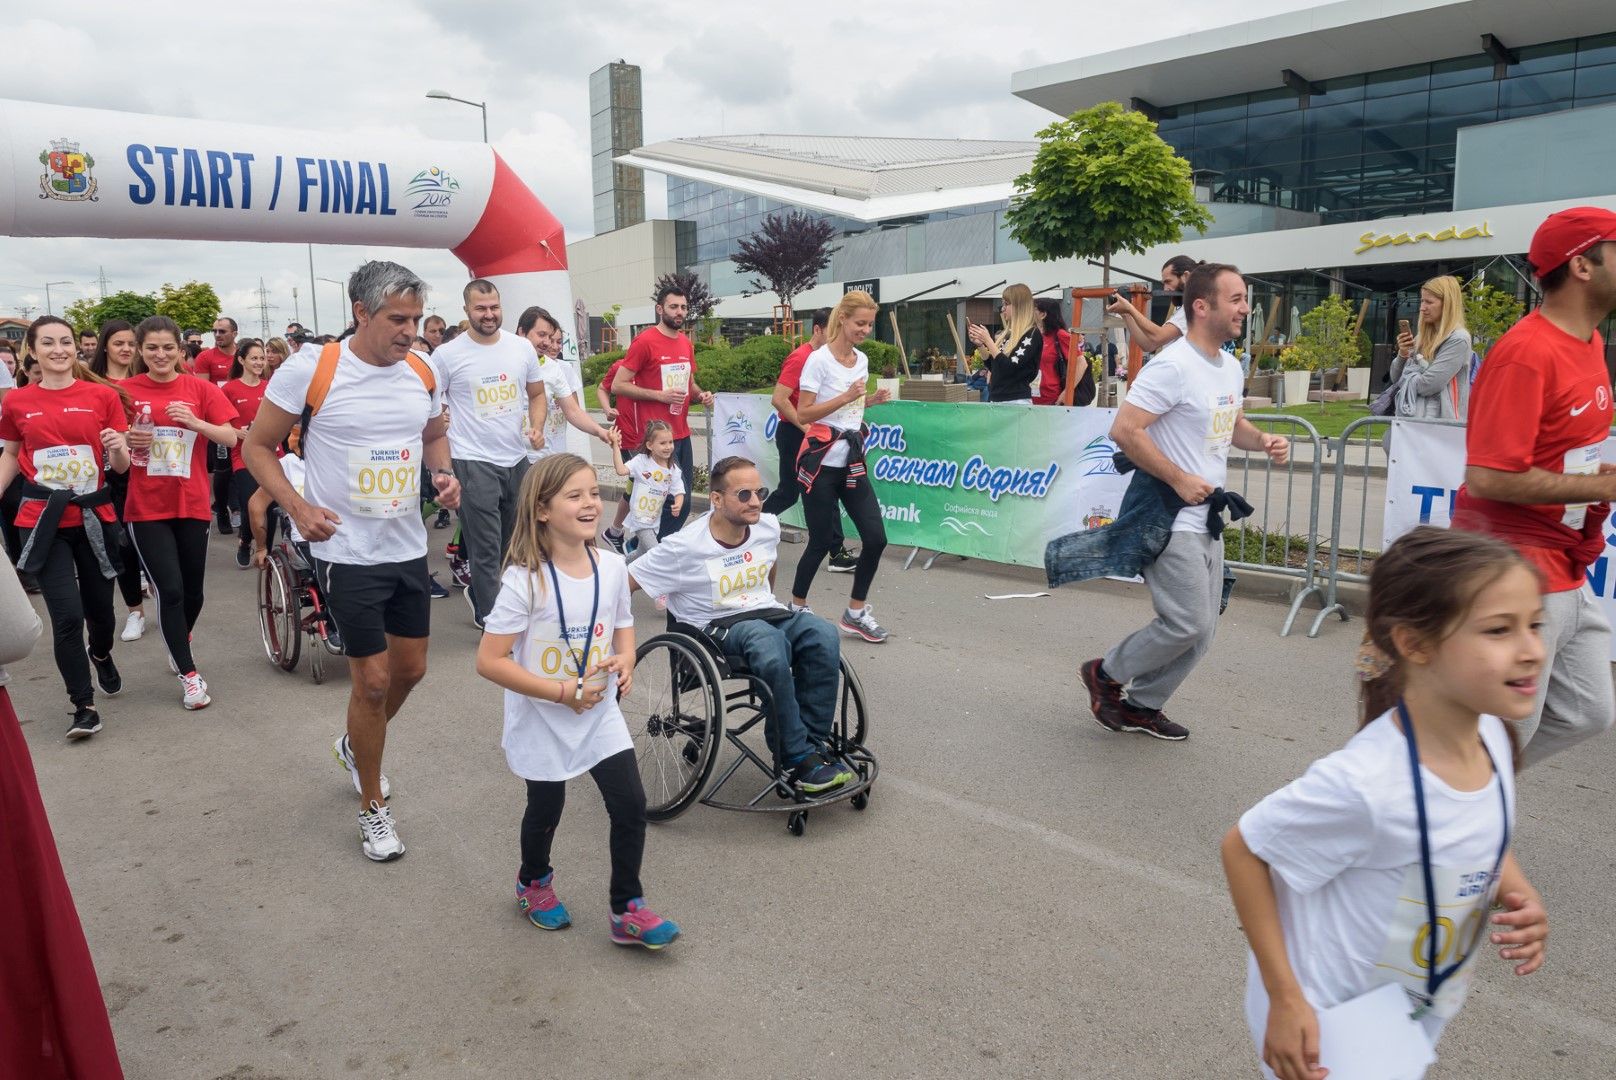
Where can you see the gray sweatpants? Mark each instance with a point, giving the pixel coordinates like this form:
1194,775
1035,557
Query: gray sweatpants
643,539
1186,589
1575,698
487,516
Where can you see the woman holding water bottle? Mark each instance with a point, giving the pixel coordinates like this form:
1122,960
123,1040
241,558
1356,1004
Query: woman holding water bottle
63,433
169,502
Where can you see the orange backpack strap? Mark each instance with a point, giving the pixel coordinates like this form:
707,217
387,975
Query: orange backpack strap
424,370
325,369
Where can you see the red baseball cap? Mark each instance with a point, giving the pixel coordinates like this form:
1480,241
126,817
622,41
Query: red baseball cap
1569,233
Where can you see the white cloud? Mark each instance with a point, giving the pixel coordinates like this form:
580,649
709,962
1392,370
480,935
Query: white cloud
939,68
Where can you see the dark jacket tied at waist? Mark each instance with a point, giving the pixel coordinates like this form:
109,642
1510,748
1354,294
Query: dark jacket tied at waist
105,537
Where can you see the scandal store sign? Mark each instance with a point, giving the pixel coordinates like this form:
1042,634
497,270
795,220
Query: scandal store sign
1371,240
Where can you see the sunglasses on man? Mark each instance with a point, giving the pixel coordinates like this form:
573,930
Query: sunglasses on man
746,494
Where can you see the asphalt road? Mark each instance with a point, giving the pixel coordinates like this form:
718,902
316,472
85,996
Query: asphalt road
1027,894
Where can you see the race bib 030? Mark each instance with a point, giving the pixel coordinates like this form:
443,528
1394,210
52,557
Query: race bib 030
385,482
67,468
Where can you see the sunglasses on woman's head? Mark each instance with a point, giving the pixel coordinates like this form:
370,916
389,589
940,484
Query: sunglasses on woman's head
745,494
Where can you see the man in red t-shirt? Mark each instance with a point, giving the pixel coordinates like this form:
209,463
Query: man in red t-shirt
788,433
214,365
659,374
620,411
1539,414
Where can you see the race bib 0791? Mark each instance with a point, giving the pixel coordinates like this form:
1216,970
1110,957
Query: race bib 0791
171,451
385,482
740,580
67,468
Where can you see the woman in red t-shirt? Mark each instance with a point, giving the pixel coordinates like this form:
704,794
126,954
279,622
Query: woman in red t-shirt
1052,368
170,497
114,361
62,433
249,378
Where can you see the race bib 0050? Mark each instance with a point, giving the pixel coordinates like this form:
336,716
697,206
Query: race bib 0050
497,395
385,482
67,468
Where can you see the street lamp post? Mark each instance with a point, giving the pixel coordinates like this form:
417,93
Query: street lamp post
48,309
444,95
342,297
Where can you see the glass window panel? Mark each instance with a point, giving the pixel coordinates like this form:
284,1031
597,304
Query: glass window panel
1346,88
1403,80
1267,102
1283,125
1185,118
1220,109
1464,100
1402,136
1553,89
1330,118
1276,152
1395,163
1444,131
1605,100
1595,82
1461,70
1334,143
1402,109
1536,59
1229,133
1596,50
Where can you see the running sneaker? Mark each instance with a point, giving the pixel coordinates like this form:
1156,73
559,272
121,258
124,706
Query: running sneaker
538,901
244,555
106,674
434,587
1153,723
86,722
333,640
134,627
1105,695
815,775
617,540
842,561
196,691
344,755
639,925
442,521
460,572
378,834
235,520
796,608
863,624
472,604
146,589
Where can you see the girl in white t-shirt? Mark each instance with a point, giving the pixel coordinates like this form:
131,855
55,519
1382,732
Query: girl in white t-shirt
654,478
1369,872
560,640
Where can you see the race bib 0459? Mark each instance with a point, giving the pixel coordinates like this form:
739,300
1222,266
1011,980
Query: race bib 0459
740,581
385,482
67,468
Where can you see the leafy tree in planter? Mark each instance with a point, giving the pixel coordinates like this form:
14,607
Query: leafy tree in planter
1489,311
1327,339
1103,181
701,298
786,254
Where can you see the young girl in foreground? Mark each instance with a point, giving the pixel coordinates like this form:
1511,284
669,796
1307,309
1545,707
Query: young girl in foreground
655,478
559,637
1339,876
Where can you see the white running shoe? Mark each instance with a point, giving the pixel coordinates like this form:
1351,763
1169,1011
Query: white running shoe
379,836
196,691
344,756
134,627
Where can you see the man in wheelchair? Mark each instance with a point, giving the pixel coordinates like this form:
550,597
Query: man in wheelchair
264,515
718,576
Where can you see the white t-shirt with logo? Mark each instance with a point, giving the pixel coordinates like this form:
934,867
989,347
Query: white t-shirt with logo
704,580
485,388
362,454
1343,843
1197,402
825,377
545,740
561,381
653,485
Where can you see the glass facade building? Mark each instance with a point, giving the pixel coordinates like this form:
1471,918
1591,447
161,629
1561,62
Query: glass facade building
1380,144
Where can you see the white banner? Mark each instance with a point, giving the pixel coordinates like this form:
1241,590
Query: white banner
1425,467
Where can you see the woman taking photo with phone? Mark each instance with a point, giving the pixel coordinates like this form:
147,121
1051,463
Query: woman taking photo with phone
63,434
1432,368
1013,358
169,504
114,360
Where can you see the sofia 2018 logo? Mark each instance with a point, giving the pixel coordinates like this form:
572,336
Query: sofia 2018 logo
68,174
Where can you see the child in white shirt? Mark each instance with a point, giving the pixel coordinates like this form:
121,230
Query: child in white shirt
653,478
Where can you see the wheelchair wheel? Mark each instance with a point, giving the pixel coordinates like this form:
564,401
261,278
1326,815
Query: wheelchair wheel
851,728
316,658
279,617
675,715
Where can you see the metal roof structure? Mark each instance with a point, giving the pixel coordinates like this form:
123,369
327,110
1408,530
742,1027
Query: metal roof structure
866,178
1349,37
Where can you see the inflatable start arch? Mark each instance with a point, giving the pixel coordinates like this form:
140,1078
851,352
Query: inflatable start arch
91,172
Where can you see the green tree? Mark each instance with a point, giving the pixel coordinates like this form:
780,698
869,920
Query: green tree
1327,339
1489,311
91,314
193,305
1101,182
81,313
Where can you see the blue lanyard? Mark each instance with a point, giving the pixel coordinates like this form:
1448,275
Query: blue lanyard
1434,978
579,661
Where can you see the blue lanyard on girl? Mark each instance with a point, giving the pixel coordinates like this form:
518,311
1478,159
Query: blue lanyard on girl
1434,978
580,662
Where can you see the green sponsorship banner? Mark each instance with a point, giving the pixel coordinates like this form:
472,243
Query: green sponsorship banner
993,482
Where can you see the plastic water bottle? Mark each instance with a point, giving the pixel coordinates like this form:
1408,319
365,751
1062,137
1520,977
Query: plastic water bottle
141,455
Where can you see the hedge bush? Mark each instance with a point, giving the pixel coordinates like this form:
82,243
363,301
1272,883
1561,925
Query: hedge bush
726,369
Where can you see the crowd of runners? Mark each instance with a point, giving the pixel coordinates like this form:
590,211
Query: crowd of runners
1485,649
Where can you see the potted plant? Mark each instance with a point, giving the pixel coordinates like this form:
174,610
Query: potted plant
1297,367
888,380
1261,382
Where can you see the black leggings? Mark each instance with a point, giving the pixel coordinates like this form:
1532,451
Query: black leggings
175,554
618,778
788,441
223,490
76,596
242,487
824,527
129,576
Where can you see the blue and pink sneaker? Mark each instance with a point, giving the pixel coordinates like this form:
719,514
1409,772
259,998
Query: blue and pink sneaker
540,904
639,925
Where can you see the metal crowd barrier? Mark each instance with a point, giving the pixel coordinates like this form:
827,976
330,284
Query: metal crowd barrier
1277,487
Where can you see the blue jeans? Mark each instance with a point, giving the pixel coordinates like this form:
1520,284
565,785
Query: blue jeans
800,660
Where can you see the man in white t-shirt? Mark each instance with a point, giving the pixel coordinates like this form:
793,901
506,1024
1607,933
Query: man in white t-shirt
376,435
1183,413
1153,338
562,385
718,575
491,385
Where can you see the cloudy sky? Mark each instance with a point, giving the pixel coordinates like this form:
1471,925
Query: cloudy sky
916,68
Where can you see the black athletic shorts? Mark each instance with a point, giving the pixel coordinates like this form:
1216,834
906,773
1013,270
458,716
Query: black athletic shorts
371,602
